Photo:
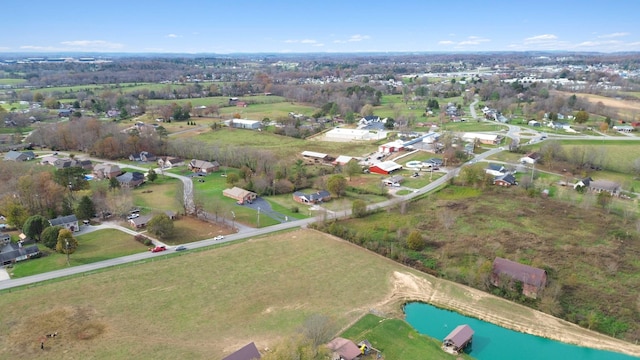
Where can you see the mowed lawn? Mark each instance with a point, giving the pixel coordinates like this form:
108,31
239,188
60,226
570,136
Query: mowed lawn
200,305
92,247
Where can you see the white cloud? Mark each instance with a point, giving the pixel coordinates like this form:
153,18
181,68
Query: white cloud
291,41
173,36
471,40
358,37
308,41
540,39
92,44
613,35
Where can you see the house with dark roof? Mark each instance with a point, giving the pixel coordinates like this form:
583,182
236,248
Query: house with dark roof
458,339
10,253
69,222
247,352
131,179
506,273
15,156
531,158
311,198
505,180
395,180
344,348
495,169
143,156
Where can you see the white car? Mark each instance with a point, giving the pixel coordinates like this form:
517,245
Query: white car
219,237
133,216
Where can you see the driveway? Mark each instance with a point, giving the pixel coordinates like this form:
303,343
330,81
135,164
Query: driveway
4,275
265,209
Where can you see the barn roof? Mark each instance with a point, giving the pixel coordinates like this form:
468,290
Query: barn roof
460,335
247,352
521,272
388,166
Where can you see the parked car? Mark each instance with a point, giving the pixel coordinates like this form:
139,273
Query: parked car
219,237
158,249
133,216
181,248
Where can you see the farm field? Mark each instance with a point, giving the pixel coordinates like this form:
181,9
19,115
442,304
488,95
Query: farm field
199,298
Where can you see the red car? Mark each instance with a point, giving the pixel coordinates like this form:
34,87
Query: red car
158,248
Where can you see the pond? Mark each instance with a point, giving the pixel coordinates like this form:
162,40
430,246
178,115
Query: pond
492,342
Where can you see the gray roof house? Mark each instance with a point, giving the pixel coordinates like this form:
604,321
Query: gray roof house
15,156
131,179
69,222
599,186
11,252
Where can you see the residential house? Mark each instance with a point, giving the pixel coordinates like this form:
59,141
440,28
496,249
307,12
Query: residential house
241,195
534,123
143,156
395,180
582,184
131,179
48,160
30,155
65,112
171,214
623,128
598,186
495,169
458,339
385,167
65,163
170,161
201,166
69,222
15,156
505,272
311,198
10,253
247,352
140,222
106,171
505,180
531,158
344,349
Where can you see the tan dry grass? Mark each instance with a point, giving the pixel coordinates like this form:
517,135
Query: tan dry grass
210,303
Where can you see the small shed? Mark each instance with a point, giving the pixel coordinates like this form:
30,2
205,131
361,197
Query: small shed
458,339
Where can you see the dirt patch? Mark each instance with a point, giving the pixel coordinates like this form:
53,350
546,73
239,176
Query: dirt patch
55,330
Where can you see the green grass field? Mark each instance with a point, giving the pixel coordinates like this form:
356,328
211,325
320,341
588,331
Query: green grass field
396,339
93,247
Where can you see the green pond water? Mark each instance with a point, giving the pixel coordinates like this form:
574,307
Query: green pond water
492,342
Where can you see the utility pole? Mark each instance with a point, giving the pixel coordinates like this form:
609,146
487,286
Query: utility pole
233,224
258,216
67,248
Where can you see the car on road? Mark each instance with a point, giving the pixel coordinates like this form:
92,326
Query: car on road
219,237
158,249
181,248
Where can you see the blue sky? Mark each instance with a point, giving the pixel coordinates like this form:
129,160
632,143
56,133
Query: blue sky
287,26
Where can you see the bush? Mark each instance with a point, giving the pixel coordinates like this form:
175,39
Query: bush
295,209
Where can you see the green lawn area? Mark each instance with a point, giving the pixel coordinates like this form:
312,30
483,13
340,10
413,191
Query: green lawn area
396,339
159,195
93,247
11,81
